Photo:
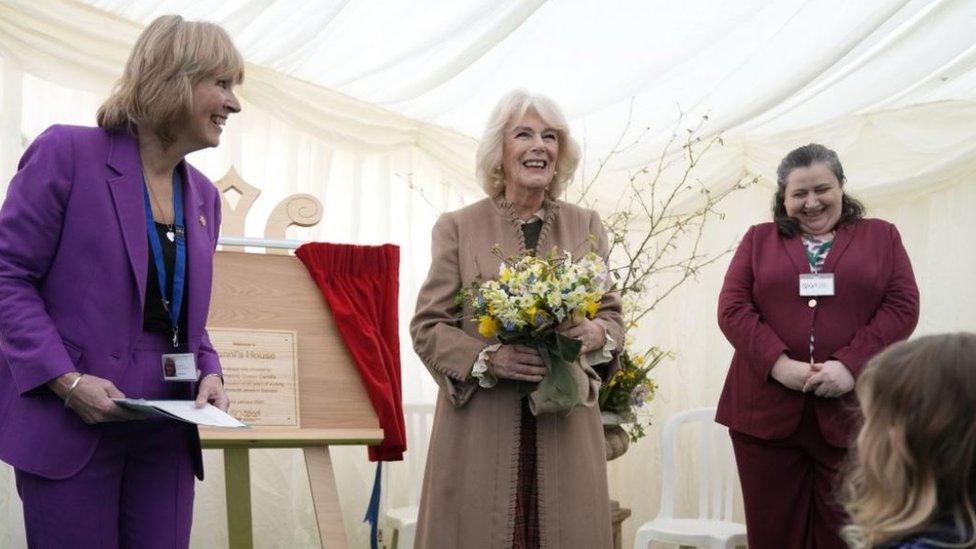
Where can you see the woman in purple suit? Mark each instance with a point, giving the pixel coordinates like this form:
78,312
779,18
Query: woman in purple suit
106,256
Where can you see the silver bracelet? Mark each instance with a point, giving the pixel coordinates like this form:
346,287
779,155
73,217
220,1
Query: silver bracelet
71,389
213,374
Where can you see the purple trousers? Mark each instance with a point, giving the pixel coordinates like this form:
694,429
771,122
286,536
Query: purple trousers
137,490
789,487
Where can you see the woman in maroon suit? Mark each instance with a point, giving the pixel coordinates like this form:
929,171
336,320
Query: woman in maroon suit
807,300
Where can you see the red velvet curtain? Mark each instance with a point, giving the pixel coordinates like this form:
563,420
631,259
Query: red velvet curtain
361,285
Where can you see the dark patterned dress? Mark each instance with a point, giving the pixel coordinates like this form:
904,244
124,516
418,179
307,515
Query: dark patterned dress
527,497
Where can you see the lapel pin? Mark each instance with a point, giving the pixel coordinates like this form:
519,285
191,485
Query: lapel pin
203,221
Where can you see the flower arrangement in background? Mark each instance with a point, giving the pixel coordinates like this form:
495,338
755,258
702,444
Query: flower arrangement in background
630,388
655,230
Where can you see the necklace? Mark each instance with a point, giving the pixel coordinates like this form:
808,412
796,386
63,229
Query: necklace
170,229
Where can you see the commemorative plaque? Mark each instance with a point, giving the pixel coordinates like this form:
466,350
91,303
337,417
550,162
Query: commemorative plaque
260,374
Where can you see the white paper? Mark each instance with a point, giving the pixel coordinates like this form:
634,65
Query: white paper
182,410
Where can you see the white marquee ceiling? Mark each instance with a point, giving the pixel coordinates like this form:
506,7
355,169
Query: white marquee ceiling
757,66
891,84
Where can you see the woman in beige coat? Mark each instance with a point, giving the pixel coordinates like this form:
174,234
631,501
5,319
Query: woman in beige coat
499,475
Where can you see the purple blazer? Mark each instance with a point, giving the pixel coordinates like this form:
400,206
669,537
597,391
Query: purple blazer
73,265
762,314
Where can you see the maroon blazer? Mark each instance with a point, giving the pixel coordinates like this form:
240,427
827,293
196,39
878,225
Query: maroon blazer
762,314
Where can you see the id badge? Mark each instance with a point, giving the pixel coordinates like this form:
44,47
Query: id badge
816,284
180,367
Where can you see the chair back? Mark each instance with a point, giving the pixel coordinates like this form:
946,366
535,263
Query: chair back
715,466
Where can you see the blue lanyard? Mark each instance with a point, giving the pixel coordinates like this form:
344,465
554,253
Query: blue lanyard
174,304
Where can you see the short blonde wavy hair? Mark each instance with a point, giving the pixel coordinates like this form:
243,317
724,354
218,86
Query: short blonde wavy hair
168,59
914,462
512,107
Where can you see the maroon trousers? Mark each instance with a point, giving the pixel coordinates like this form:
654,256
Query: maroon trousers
790,487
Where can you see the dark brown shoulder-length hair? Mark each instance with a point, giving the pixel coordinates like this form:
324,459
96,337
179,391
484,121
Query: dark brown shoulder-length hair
802,157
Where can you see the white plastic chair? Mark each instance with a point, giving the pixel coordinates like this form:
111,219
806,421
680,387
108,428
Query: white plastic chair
399,524
716,485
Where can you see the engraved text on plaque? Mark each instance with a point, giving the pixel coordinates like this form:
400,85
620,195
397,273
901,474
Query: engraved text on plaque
260,374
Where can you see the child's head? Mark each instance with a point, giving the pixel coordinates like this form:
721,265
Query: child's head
915,456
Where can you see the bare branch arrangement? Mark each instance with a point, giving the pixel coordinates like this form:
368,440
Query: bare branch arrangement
655,217
655,232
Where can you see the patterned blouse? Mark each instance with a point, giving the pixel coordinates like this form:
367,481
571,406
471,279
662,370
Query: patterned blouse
817,248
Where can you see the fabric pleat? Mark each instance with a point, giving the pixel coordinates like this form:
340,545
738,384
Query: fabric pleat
361,286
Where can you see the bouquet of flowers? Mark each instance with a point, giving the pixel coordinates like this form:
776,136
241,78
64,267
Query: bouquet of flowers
530,298
631,387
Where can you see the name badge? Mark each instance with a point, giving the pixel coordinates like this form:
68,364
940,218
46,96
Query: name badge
817,284
180,367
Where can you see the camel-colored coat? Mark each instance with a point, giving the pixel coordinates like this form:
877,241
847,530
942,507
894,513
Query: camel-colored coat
470,482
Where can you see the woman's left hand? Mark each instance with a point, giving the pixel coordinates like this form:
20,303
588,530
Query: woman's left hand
212,390
833,380
592,334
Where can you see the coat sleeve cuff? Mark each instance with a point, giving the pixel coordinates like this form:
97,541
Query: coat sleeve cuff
602,355
851,359
769,360
208,364
30,381
480,368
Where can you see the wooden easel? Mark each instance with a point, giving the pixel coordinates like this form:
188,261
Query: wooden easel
274,292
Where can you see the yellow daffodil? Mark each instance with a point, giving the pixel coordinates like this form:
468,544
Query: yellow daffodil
487,326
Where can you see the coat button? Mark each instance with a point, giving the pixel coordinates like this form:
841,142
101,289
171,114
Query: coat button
812,303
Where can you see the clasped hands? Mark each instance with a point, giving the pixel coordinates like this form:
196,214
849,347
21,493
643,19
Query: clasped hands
523,363
92,397
828,379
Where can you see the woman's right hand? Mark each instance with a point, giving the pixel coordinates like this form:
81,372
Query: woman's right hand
793,374
517,362
92,398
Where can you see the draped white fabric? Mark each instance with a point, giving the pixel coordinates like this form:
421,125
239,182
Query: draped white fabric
374,107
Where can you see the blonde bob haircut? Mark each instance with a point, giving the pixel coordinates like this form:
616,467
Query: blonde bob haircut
912,470
509,110
168,59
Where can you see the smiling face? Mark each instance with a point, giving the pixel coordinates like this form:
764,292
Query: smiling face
529,152
213,102
813,196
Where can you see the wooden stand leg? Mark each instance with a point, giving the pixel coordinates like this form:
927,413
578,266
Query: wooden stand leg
617,516
325,498
237,474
